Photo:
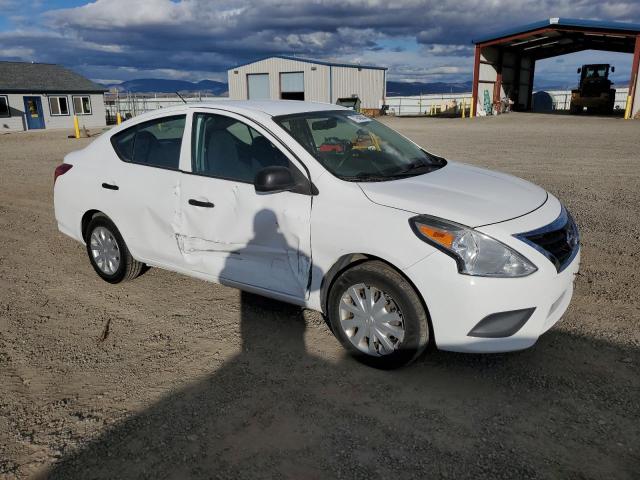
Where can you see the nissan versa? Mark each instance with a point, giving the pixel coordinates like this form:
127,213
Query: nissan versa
322,207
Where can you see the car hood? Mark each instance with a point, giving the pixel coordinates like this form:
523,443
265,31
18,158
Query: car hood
461,193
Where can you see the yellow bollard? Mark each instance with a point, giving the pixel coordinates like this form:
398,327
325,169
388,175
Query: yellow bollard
627,109
118,119
472,107
76,127
463,108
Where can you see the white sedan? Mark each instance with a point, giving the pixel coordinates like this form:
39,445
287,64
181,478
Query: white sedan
325,208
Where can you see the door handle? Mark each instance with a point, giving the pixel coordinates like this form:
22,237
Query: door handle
109,186
199,203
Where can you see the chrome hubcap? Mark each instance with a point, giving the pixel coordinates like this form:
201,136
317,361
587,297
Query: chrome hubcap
104,250
371,320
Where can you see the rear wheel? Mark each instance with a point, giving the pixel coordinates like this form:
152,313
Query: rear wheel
377,316
108,253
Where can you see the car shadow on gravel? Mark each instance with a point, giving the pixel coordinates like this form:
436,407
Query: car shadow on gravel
277,411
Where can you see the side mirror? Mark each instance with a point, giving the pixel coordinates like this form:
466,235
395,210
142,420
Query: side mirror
274,180
613,69
579,69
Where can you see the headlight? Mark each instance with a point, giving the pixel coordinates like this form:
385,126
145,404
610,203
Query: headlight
474,252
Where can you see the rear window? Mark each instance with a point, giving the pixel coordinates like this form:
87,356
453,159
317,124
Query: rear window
155,143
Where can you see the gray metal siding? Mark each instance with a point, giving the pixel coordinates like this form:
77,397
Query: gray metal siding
367,84
322,83
316,78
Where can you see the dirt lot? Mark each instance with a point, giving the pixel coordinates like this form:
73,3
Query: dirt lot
196,380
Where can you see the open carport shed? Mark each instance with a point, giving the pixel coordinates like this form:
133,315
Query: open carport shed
505,62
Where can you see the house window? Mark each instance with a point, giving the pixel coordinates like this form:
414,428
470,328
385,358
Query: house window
82,105
58,105
4,106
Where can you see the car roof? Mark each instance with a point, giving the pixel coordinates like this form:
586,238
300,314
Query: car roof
249,108
270,107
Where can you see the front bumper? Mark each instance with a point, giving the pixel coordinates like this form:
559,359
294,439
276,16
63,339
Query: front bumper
456,302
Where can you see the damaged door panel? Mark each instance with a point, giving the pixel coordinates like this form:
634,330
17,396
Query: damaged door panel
229,230
145,188
259,240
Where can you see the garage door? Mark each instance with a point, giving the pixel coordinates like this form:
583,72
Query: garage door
292,86
258,86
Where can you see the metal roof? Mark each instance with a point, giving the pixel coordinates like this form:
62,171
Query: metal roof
578,23
315,62
43,77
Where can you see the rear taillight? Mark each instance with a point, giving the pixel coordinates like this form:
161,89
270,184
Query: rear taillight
61,170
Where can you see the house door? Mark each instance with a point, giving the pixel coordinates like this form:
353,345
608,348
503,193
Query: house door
33,110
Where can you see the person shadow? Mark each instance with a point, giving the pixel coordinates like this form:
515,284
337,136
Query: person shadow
242,413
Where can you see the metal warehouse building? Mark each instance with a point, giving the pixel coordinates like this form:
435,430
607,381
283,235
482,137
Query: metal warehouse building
41,95
289,78
505,62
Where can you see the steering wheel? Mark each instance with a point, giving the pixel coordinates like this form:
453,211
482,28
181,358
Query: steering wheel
356,153
348,155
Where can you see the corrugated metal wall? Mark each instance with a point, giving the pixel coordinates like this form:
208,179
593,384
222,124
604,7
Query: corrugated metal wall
487,74
321,82
514,70
316,78
367,84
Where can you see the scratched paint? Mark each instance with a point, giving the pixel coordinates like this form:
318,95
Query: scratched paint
256,239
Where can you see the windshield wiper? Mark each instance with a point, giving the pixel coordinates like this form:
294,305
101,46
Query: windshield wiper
366,178
413,167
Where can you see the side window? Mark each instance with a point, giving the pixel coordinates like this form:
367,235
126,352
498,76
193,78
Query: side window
155,143
227,148
123,143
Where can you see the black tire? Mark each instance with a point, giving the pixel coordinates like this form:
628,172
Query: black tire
414,316
129,268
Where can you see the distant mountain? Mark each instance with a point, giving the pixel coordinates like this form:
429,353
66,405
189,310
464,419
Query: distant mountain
400,89
158,85
394,89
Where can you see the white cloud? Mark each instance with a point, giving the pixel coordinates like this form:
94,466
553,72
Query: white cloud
180,39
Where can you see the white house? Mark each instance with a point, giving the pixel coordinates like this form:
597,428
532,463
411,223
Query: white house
42,95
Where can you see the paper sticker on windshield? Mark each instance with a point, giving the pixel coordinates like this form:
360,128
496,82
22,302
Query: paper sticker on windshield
359,118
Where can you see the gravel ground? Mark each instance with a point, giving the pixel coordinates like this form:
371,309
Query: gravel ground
170,377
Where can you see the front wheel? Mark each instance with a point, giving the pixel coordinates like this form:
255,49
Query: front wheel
377,316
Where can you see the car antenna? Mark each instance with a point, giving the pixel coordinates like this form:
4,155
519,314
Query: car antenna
181,97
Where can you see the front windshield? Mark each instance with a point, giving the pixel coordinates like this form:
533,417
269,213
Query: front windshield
599,71
356,148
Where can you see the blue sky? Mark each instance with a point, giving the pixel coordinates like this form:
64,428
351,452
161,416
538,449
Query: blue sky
419,40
